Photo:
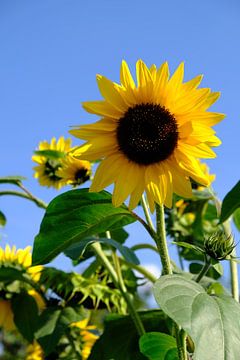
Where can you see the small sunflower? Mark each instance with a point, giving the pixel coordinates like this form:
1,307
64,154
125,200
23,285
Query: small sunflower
20,258
150,134
87,336
74,171
46,170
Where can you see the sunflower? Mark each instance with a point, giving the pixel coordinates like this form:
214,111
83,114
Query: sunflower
74,171
20,258
150,134
88,338
49,159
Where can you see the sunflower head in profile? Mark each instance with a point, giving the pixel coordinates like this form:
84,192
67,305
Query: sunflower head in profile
74,171
20,259
49,158
150,135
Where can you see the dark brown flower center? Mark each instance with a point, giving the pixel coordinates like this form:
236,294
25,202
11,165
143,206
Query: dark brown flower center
147,134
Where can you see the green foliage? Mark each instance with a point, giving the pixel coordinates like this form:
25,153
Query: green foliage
25,315
211,321
231,202
77,250
236,218
53,324
72,216
50,154
119,340
157,346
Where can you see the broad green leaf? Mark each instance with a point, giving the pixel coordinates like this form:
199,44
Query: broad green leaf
73,216
11,179
119,340
230,203
51,154
236,218
157,346
25,312
77,250
3,219
53,324
212,322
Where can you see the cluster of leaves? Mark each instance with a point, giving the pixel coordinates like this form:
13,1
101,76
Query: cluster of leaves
76,220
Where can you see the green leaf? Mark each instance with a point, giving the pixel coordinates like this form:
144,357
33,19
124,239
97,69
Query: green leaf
3,219
188,246
75,251
214,272
12,179
230,203
10,274
54,321
236,218
212,322
73,216
157,346
51,154
120,235
25,315
119,340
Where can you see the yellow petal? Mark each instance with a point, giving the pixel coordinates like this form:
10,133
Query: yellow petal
126,77
110,91
102,108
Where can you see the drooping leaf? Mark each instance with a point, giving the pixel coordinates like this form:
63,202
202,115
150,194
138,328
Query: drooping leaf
156,345
54,321
73,216
76,250
120,340
11,179
3,219
211,321
230,203
25,315
120,235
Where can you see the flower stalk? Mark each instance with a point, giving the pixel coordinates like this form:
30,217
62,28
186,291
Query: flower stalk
136,319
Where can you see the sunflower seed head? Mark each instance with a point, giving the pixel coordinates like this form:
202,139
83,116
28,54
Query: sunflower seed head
219,246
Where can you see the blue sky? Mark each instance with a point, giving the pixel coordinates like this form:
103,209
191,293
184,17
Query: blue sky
52,50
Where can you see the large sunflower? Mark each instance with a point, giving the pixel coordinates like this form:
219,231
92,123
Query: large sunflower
150,134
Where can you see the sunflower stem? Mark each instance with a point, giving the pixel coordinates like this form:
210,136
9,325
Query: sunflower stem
37,201
204,270
136,319
148,275
161,241
147,213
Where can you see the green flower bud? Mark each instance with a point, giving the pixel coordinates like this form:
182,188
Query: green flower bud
219,246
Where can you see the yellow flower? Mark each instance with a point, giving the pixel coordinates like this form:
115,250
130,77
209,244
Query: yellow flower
20,258
150,134
74,171
6,315
34,352
46,170
88,337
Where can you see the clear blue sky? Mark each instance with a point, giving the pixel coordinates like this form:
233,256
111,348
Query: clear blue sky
51,50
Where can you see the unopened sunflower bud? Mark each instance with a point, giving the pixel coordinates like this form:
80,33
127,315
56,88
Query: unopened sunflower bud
219,246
